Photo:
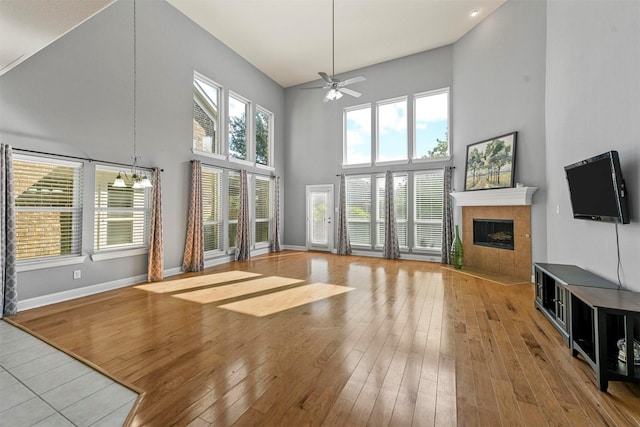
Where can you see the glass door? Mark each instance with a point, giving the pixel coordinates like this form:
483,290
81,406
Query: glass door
320,217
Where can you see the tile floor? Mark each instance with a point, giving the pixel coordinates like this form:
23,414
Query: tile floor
42,386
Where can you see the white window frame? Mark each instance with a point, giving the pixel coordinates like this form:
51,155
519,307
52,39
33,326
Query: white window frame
221,154
344,135
221,209
377,131
416,221
249,130
378,220
271,138
423,95
269,220
110,251
75,257
372,212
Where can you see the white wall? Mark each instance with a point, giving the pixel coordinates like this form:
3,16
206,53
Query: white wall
593,106
75,97
498,87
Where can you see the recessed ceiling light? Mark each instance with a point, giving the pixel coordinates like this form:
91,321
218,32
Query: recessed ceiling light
474,13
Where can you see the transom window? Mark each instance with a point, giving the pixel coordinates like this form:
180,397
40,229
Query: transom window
264,136
400,138
431,132
357,135
392,130
206,115
238,127
48,196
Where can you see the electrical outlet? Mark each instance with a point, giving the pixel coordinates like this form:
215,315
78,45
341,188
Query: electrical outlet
77,274
557,209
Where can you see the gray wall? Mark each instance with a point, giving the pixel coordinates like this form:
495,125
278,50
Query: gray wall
75,97
313,131
498,87
593,106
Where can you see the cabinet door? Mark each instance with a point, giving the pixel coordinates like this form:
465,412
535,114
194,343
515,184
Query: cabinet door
561,306
538,286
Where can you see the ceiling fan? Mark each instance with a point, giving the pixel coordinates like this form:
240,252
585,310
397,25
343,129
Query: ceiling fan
336,87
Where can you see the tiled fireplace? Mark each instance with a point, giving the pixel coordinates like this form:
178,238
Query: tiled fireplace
504,216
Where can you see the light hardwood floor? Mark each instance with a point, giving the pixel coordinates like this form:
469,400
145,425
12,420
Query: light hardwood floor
413,344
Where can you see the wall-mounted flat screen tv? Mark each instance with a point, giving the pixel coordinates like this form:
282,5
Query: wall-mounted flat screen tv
597,189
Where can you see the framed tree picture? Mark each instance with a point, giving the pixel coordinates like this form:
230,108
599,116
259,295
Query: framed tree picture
491,163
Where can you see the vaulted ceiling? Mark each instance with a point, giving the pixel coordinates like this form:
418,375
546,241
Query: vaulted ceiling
289,40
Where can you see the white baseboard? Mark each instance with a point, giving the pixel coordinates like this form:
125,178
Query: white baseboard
79,292
294,248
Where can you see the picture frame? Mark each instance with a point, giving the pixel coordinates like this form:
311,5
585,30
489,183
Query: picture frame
490,164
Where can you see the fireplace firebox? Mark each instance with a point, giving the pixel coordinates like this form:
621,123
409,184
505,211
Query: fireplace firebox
494,233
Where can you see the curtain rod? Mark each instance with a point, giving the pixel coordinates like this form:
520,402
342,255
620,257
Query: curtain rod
229,168
88,159
399,171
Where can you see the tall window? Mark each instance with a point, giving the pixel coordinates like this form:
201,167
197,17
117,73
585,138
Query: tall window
237,127
431,111
357,136
121,213
392,130
206,117
400,203
359,209
264,136
262,210
234,205
213,220
428,189
48,207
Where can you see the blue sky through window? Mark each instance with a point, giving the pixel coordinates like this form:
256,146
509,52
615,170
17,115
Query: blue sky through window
392,131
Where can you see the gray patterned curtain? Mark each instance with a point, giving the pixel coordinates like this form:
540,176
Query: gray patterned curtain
391,249
275,246
194,246
243,239
447,216
156,246
8,272
344,245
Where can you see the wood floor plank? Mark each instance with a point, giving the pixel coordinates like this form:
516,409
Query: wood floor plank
414,344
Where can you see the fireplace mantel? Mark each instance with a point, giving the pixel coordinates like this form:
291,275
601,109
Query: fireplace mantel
518,196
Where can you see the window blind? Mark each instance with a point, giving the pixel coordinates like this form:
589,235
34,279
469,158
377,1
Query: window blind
234,204
263,210
359,209
211,209
121,214
428,209
400,201
48,197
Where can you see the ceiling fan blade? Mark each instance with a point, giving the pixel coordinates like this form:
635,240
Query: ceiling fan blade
350,92
352,80
314,87
325,77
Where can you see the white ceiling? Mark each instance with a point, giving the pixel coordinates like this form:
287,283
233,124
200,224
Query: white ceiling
289,40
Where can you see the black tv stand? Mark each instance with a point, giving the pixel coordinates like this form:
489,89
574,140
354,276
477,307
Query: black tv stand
592,315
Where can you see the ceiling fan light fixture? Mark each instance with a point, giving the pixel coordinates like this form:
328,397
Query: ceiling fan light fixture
333,95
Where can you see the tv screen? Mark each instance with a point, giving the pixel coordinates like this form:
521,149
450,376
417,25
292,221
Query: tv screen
597,189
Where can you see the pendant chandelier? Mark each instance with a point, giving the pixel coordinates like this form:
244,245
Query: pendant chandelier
138,178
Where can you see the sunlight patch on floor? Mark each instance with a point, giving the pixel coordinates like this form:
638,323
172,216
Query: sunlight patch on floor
275,302
196,281
234,290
